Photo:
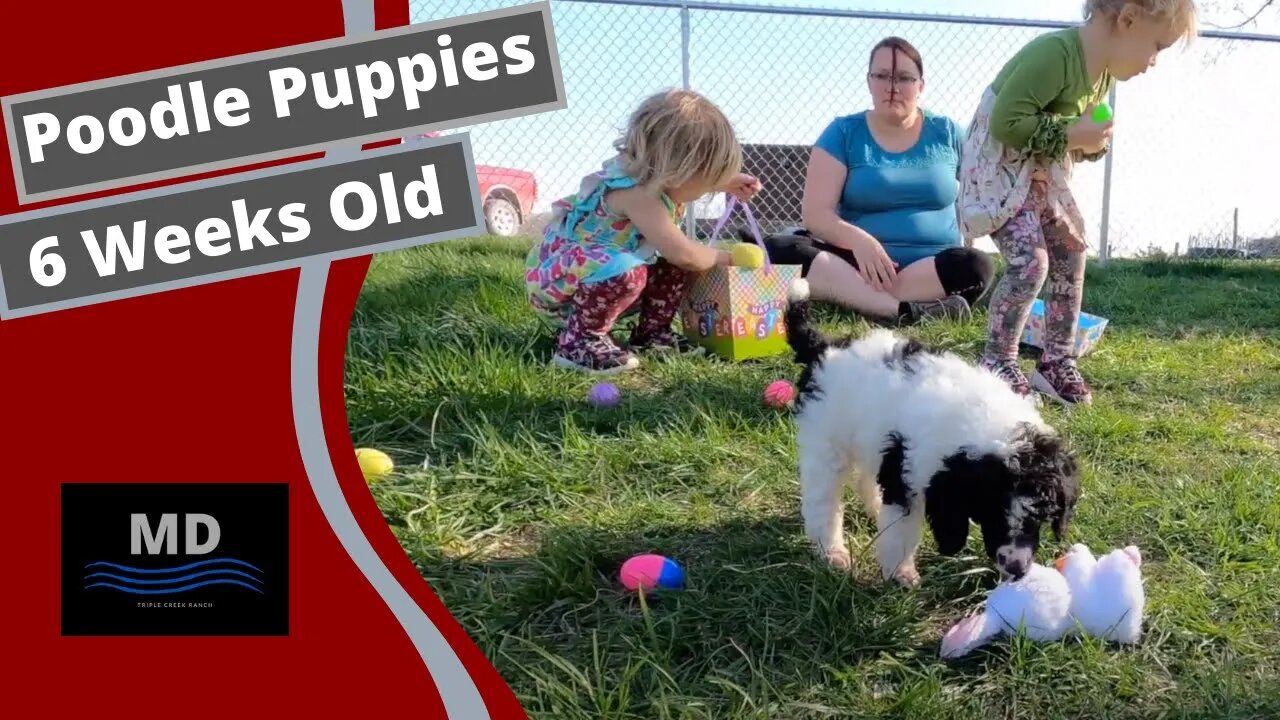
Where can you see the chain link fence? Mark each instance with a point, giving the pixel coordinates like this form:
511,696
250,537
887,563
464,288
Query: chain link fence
1190,170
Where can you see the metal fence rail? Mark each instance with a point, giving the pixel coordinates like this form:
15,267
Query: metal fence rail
1190,165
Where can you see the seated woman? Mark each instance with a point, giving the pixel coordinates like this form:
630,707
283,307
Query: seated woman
881,234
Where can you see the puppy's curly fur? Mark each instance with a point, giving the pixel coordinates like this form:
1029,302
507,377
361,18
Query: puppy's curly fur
923,435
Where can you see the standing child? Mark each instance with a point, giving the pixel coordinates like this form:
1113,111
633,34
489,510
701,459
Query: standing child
1033,123
599,256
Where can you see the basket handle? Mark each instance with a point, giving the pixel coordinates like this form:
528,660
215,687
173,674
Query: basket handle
730,203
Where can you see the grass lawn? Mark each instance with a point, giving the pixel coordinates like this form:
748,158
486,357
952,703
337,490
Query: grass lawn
518,502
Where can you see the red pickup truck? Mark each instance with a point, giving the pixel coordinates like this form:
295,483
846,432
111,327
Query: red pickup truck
508,195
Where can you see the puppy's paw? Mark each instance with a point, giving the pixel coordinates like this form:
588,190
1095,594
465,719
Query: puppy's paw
838,559
907,576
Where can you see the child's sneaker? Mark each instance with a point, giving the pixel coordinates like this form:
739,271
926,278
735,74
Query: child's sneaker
598,356
1008,371
1061,380
664,341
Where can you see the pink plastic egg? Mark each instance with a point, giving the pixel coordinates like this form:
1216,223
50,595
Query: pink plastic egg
779,393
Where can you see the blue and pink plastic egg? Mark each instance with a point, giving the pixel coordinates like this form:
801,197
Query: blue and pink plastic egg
651,572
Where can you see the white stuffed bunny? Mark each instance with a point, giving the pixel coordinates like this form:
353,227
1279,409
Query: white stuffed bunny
1039,601
1103,597
1107,598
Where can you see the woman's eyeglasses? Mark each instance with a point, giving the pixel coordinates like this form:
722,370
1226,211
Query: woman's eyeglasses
885,78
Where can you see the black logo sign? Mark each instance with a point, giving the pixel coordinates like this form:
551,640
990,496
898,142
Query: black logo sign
175,559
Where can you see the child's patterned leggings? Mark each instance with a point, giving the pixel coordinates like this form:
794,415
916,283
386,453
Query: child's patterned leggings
1035,244
655,290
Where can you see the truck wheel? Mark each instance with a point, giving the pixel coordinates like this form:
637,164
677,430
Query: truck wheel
501,218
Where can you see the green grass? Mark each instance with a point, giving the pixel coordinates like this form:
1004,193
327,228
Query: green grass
529,501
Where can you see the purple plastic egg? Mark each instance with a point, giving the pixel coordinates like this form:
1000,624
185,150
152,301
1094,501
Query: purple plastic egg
604,395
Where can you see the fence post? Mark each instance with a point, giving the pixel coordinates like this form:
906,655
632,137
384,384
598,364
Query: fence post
1104,243
690,221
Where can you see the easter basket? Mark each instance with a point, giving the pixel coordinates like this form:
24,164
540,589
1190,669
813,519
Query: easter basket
1088,331
737,313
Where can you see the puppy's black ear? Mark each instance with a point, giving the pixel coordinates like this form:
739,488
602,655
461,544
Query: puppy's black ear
947,503
1068,492
1055,467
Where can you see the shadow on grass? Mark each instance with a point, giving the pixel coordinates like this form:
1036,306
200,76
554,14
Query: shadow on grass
754,594
705,409
760,618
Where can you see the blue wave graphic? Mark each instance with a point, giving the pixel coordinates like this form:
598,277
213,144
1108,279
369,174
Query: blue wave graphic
181,583
171,591
170,581
179,568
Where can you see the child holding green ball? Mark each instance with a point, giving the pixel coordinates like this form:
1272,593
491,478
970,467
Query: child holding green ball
1040,116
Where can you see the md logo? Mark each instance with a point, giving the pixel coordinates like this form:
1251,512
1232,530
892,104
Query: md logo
166,536
175,559
201,533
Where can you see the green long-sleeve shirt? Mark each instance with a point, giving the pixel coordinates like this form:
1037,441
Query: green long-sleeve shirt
1041,91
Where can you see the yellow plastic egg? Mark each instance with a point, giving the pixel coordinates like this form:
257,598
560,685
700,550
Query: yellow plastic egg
375,464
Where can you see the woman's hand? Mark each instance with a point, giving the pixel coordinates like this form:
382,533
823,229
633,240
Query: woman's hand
1089,136
873,262
742,186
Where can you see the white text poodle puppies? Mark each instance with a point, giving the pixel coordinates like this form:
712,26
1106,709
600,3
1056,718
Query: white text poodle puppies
1107,597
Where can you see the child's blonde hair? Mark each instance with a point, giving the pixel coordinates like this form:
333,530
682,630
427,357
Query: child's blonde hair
678,136
1180,14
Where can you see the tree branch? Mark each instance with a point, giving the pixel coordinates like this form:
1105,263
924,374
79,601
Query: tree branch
1261,8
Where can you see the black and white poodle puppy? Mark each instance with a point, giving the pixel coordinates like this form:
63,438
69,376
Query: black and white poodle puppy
923,436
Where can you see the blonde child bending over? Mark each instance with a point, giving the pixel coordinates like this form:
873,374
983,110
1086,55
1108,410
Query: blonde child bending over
615,246
1033,123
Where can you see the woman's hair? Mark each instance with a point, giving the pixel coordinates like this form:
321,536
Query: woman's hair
1180,14
677,136
899,46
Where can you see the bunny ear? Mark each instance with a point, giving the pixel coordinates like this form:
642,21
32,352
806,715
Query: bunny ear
1134,554
963,637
